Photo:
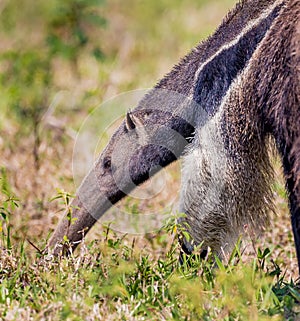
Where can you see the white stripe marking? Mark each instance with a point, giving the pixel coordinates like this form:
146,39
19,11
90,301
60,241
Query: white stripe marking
253,23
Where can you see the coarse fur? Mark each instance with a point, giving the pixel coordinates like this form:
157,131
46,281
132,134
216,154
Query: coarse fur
262,103
269,95
227,189
226,173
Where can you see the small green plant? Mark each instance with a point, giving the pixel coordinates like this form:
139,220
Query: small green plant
8,204
66,201
66,198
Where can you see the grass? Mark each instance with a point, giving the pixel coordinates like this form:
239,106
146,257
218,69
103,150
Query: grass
115,276
115,279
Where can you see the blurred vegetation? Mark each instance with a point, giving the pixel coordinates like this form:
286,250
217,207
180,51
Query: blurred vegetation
59,60
56,29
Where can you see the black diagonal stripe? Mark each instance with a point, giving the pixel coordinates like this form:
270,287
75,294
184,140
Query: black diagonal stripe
216,76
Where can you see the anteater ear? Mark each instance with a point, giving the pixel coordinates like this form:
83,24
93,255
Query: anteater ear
129,121
132,121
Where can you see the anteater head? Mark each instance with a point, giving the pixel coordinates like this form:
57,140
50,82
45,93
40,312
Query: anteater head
152,135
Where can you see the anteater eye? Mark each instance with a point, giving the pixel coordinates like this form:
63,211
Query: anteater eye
106,163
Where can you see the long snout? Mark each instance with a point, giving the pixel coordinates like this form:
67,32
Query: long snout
90,204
